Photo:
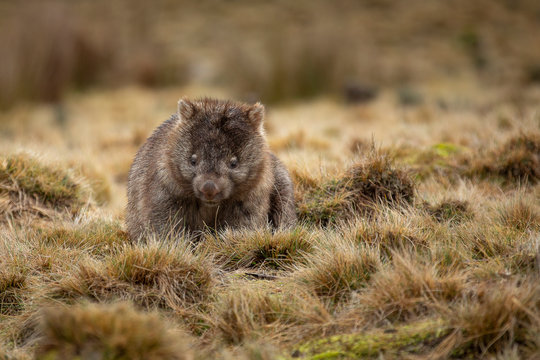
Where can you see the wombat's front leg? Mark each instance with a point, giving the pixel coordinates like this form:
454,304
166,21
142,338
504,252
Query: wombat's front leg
166,219
243,215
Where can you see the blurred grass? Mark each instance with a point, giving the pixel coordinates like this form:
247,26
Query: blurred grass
26,185
317,47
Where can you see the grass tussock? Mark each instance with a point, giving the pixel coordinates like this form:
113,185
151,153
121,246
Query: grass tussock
377,180
246,313
373,182
12,285
115,331
521,214
259,249
409,288
388,234
497,316
95,236
486,241
161,275
28,186
516,162
450,210
335,274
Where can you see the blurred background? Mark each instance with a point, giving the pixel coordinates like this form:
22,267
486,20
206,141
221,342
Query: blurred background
85,82
274,51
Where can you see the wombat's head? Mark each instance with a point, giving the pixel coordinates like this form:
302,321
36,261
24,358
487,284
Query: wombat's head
220,149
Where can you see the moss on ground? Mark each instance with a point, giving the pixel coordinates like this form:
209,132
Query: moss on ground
414,338
515,162
440,159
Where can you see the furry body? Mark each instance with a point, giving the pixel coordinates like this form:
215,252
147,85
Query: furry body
208,166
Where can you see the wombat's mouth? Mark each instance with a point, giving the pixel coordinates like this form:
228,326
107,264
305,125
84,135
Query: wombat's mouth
210,203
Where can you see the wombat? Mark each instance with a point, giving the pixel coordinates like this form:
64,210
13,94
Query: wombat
208,166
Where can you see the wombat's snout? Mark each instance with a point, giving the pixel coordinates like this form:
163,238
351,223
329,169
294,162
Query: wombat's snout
209,190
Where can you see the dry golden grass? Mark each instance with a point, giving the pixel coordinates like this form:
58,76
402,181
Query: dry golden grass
12,284
114,331
333,274
521,213
516,161
97,236
152,275
409,288
450,262
454,211
29,186
372,182
496,317
447,259
255,311
260,249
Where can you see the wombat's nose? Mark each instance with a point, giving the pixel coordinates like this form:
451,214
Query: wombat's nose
209,190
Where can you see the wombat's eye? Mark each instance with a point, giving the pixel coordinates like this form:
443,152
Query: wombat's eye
193,160
234,162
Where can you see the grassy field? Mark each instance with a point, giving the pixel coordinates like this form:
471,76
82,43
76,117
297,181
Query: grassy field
418,237
411,130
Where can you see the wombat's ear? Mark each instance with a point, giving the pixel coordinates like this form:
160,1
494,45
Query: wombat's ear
185,109
256,115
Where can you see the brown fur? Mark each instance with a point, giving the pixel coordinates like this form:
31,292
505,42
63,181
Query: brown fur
216,142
